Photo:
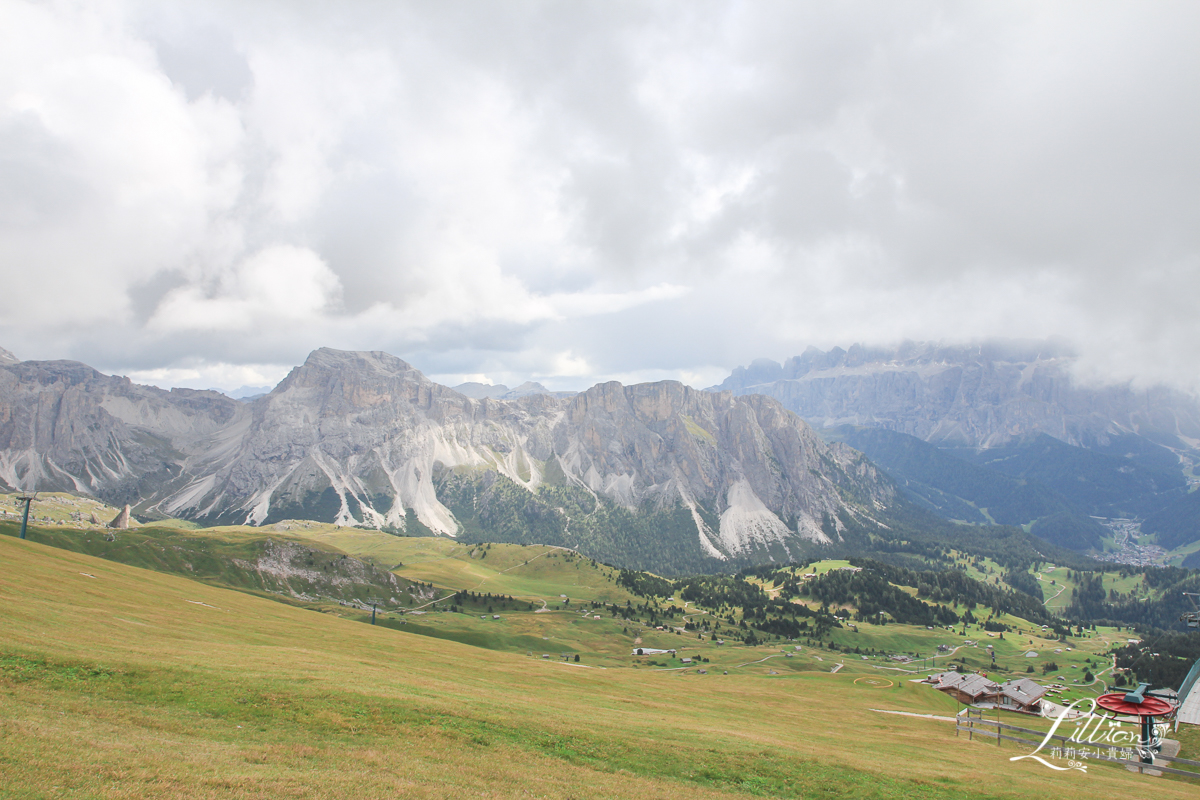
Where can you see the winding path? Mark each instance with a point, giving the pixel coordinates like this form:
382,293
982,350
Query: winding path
1061,589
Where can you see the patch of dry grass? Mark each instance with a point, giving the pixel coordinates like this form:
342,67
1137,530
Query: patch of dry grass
133,683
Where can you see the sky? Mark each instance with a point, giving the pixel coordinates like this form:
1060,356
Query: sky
199,194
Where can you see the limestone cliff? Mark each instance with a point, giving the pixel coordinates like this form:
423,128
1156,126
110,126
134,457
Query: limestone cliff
363,438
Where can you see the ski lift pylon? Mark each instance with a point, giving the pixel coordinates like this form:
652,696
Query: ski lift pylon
1192,618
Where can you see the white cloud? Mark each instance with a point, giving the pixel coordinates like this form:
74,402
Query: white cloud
212,376
277,285
651,189
110,175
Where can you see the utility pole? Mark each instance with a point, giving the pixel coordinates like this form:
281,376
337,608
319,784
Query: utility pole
27,498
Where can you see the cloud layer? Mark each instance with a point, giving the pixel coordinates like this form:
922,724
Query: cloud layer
578,191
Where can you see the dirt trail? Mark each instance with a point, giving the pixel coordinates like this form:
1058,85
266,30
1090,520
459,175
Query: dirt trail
748,663
1062,588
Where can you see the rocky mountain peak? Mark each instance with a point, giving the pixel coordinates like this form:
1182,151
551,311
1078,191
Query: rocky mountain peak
364,438
359,364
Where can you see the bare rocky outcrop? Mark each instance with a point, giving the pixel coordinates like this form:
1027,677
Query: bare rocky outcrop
293,564
121,520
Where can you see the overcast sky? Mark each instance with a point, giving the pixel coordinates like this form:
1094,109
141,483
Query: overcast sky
198,194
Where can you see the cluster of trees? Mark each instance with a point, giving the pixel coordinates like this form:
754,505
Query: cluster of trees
1163,661
463,599
492,507
721,591
644,584
955,586
874,591
1023,581
872,594
1090,601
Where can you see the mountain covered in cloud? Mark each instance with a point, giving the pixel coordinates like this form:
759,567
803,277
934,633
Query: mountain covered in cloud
653,474
1002,432
975,396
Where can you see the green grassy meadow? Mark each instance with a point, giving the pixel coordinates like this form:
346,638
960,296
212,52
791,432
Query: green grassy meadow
530,572
117,681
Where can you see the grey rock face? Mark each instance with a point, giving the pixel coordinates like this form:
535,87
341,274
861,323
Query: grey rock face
358,437
121,520
748,459
66,427
979,396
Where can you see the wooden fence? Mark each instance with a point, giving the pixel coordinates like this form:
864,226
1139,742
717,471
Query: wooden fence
971,723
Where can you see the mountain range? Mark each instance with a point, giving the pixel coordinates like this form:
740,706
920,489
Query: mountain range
656,475
982,396
1003,432
639,474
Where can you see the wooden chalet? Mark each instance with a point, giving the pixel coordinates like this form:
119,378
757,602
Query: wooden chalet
973,689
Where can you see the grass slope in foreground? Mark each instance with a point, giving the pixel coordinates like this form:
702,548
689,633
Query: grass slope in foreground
121,682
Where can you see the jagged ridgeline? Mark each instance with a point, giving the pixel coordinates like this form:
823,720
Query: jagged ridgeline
654,475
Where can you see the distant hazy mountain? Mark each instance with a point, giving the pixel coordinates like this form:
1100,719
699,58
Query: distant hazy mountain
977,396
654,474
245,392
1001,432
65,426
499,391
478,391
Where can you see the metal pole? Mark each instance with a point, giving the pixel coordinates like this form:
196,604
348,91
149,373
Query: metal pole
25,518
1147,738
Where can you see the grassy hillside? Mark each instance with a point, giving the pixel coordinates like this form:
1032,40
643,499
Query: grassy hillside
120,682
536,572
548,601
58,508
270,561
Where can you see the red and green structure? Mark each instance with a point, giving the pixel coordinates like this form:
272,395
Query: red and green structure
1143,705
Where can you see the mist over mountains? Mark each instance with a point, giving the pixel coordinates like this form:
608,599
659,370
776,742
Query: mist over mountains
1002,432
976,396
